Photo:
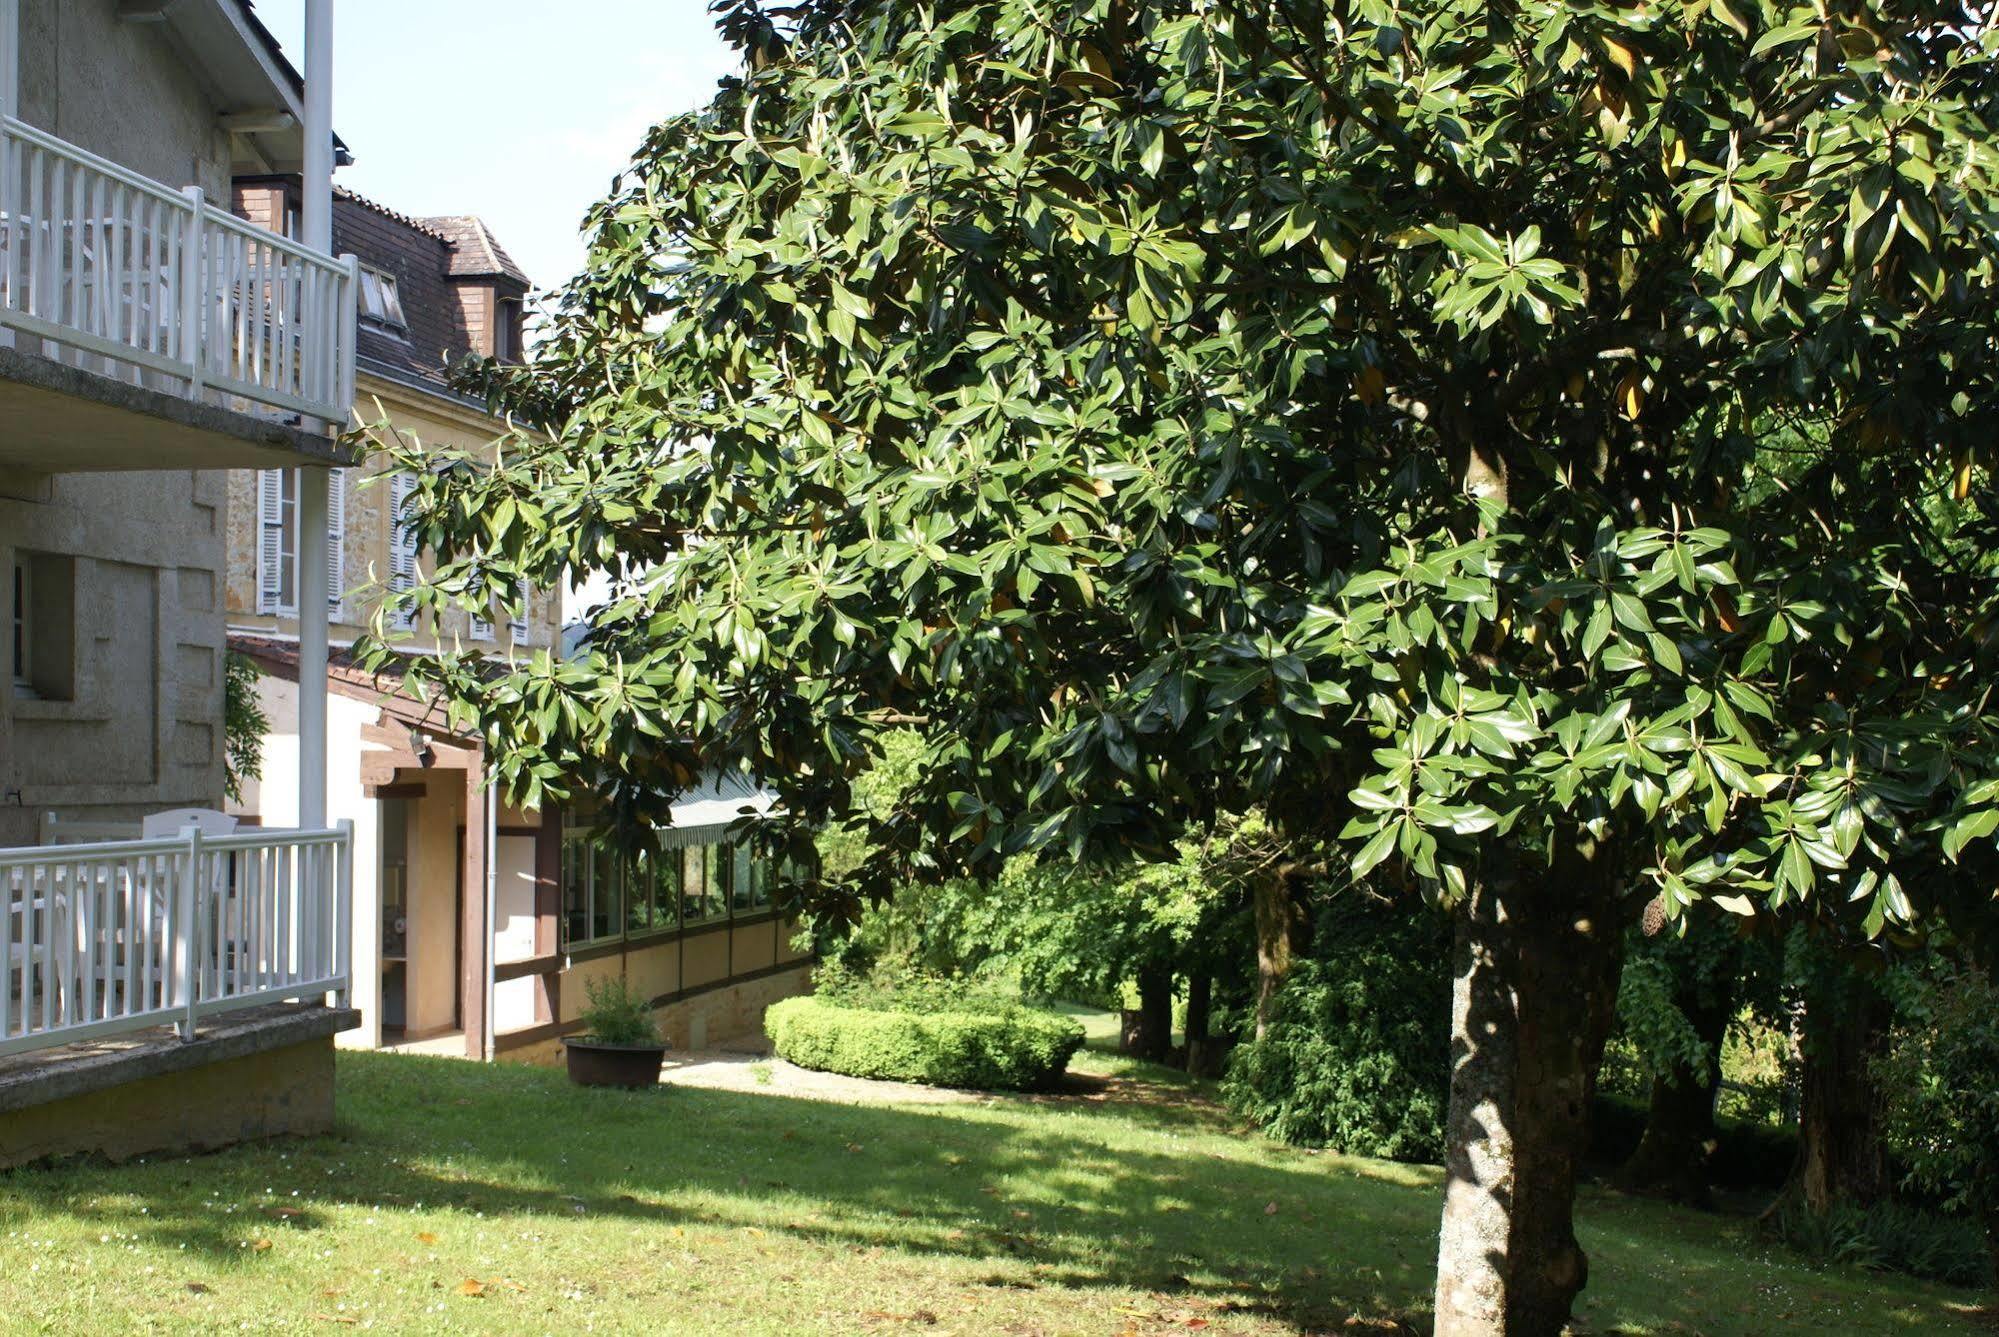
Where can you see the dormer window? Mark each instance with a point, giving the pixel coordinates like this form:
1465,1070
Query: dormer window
379,300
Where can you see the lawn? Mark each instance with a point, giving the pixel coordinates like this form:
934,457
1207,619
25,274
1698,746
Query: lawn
456,1197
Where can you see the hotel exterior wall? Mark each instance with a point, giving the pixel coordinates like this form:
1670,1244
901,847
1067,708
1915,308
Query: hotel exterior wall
433,421
142,728
121,91
727,1012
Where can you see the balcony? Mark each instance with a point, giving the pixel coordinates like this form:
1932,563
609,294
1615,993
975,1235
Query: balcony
121,936
142,327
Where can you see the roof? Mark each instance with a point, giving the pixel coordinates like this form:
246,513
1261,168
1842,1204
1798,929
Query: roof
429,270
474,252
341,192
275,50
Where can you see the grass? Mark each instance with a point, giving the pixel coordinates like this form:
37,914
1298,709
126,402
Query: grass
456,1197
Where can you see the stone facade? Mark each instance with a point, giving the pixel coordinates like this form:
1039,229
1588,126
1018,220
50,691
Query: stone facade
124,714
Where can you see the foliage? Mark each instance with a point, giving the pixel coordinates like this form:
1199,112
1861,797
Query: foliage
243,724
893,349
1011,1049
1536,444
1941,1079
1357,1055
1888,1236
618,1014
894,985
1749,1155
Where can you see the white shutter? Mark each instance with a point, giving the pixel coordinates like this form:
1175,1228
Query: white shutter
336,537
518,624
270,540
482,630
402,544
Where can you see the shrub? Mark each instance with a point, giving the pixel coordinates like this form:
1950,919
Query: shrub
618,1014
1357,1054
1009,1048
1889,1237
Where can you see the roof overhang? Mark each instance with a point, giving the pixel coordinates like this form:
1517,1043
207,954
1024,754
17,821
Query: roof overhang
244,71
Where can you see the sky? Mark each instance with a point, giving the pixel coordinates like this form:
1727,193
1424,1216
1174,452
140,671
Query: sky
520,111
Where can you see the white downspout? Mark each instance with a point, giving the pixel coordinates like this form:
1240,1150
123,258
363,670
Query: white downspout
10,57
492,898
314,542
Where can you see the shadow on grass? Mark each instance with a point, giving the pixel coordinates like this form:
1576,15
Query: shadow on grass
1115,1184
1045,1189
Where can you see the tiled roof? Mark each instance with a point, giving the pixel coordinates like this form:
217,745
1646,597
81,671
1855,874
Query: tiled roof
474,252
341,192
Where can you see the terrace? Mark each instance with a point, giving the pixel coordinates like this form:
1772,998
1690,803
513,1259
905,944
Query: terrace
147,327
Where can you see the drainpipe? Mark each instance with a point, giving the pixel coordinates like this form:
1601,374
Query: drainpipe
314,541
492,897
10,57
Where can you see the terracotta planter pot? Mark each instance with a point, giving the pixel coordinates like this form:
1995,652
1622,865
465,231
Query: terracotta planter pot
593,1063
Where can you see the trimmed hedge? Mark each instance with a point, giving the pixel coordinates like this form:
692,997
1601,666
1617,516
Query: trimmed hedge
1009,1049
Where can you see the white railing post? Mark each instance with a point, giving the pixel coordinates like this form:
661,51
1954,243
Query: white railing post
350,312
193,290
343,913
187,960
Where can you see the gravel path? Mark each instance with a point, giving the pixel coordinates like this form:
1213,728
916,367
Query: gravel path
737,1070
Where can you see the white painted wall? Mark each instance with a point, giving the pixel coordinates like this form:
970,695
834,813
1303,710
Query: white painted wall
274,799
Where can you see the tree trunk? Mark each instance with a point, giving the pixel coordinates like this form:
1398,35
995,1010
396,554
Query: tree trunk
1672,1157
1535,992
1152,1037
1841,1156
1282,936
1201,1048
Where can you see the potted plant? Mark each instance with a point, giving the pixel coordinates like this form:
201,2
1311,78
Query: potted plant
620,1044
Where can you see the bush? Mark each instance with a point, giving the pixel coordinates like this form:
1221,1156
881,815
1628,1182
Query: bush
1006,1048
618,1014
1889,1237
1357,1055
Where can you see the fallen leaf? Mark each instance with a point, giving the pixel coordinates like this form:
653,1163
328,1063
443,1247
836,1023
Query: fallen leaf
471,1286
1270,1209
337,1318
1197,1323
197,1288
853,1146
283,1213
425,1237
261,1246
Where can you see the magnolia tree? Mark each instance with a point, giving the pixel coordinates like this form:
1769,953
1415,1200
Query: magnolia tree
1535,443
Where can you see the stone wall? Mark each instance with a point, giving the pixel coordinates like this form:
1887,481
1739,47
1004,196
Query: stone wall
249,1076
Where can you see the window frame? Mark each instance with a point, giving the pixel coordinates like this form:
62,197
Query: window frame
380,288
21,629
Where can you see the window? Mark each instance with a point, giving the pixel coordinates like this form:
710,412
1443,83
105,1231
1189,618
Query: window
665,890
701,884
380,302
507,329
742,880
638,895
22,640
41,626
277,540
402,544
606,891
517,623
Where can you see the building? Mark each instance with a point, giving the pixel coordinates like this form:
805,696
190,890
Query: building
150,342
467,935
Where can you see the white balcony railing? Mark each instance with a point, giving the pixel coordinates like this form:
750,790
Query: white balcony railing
131,934
136,280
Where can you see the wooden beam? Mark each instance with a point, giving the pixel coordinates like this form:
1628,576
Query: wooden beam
477,935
